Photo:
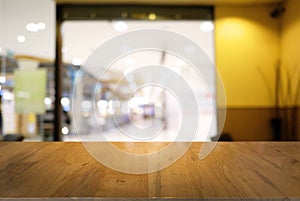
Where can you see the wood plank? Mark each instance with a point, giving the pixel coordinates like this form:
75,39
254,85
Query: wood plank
232,170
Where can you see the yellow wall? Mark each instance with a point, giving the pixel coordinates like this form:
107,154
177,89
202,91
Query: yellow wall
247,38
290,42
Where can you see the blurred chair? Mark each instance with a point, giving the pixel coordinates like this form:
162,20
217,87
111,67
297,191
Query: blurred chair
224,137
13,138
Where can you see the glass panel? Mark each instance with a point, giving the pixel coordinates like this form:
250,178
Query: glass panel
113,106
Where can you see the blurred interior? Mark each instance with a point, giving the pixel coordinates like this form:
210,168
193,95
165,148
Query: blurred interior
252,43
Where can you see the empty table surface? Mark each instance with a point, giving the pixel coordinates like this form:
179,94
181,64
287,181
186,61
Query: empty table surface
231,170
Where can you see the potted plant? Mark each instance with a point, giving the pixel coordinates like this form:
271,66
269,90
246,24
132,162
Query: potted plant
284,121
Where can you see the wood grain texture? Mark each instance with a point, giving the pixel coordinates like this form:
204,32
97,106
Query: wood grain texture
232,170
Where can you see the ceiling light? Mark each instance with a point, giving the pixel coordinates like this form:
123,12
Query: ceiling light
65,130
32,27
35,27
7,95
120,26
65,101
2,79
207,27
41,25
21,39
152,16
47,101
76,61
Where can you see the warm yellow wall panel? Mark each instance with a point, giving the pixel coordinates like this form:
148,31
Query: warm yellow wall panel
247,38
290,45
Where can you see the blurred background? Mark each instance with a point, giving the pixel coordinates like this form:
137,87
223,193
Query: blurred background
253,44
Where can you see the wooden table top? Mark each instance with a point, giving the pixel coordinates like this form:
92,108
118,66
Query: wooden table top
232,170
